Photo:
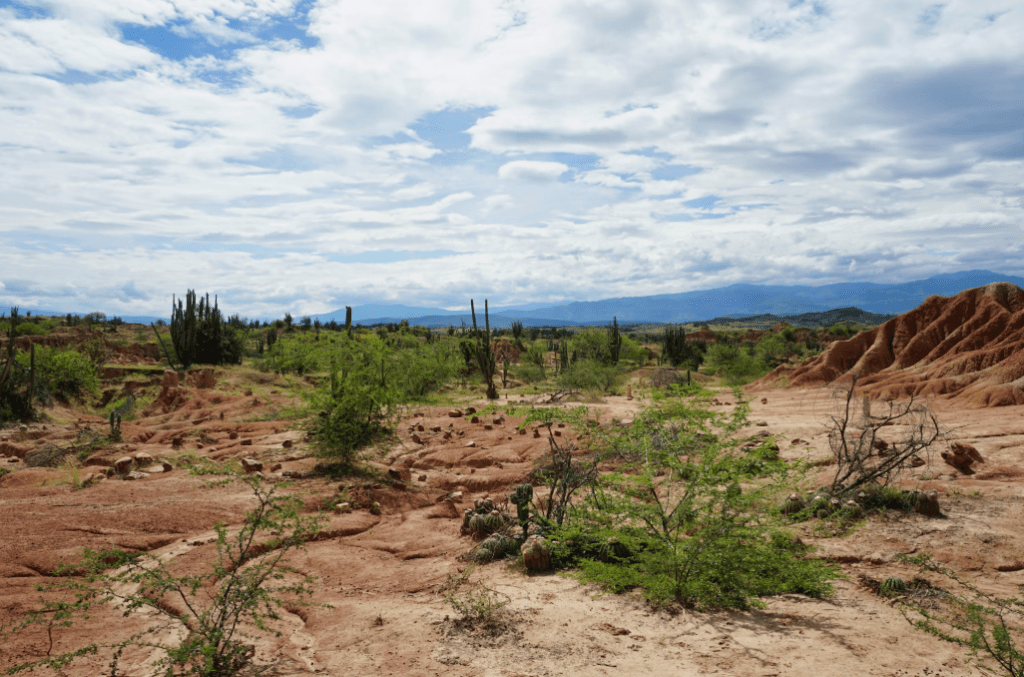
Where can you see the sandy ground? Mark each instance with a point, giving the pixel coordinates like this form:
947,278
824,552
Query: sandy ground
383,575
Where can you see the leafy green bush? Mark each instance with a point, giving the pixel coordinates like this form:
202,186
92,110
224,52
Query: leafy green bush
591,375
684,531
66,373
735,363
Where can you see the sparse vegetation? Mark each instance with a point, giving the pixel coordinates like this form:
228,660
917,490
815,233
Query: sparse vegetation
215,614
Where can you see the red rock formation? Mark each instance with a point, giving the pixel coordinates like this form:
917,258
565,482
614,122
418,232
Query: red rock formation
969,347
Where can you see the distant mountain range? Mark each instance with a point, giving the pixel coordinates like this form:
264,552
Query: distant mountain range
757,303
732,302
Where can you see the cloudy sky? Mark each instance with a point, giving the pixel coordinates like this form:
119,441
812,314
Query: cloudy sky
303,155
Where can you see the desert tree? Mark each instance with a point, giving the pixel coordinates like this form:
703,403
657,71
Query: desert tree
861,455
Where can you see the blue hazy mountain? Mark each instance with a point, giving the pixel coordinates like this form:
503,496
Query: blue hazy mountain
738,300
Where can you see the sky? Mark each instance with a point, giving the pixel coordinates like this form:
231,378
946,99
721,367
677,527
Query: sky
303,155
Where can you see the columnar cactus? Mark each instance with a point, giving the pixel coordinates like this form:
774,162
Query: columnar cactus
521,497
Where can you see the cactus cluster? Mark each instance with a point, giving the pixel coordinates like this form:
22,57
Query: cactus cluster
483,520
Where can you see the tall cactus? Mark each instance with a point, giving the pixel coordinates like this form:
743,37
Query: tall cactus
484,356
614,341
348,321
197,331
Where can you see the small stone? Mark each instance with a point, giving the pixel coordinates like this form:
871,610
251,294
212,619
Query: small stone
764,400
470,410
522,431
400,474
475,419
447,435
165,465
471,443
251,465
455,413
248,393
558,433
287,444
170,379
154,469
142,458
247,442
123,464
176,442
275,467
416,438
422,478
488,426
536,434
762,424
233,435
561,425
435,428
917,461
342,508
135,475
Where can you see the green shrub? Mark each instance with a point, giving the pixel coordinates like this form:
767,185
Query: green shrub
66,373
529,373
735,363
591,375
684,530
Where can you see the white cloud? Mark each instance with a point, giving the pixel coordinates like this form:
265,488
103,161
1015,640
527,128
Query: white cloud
530,170
872,133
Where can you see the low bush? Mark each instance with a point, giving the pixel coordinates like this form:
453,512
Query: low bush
65,373
591,375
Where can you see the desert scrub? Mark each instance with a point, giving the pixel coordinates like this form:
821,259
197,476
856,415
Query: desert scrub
66,373
218,612
675,522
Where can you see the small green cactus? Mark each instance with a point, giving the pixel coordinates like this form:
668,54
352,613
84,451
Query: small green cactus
893,586
793,505
375,508
493,521
477,526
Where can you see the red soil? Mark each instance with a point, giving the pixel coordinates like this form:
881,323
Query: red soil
969,347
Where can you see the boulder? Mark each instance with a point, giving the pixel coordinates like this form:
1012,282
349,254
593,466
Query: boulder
123,464
928,504
962,456
170,379
166,465
251,465
135,475
142,458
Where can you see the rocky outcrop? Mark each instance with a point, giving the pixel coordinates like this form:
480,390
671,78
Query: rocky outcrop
969,347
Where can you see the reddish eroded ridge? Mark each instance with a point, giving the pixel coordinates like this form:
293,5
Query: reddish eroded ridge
969,347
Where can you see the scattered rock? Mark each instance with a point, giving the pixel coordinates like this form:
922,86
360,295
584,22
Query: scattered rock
447,435
488,426
522,431
400,474
247,442
471,443
762,424
287,444
764,400
470,410
176,443
420,427
917,461
342,508
275,467
455,413
435,428
135,475
558,433
142,458
233,435
475,419
165,465
422,478
962,456
123,464
251,465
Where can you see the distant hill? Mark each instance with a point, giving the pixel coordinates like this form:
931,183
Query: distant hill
969,347
734,301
